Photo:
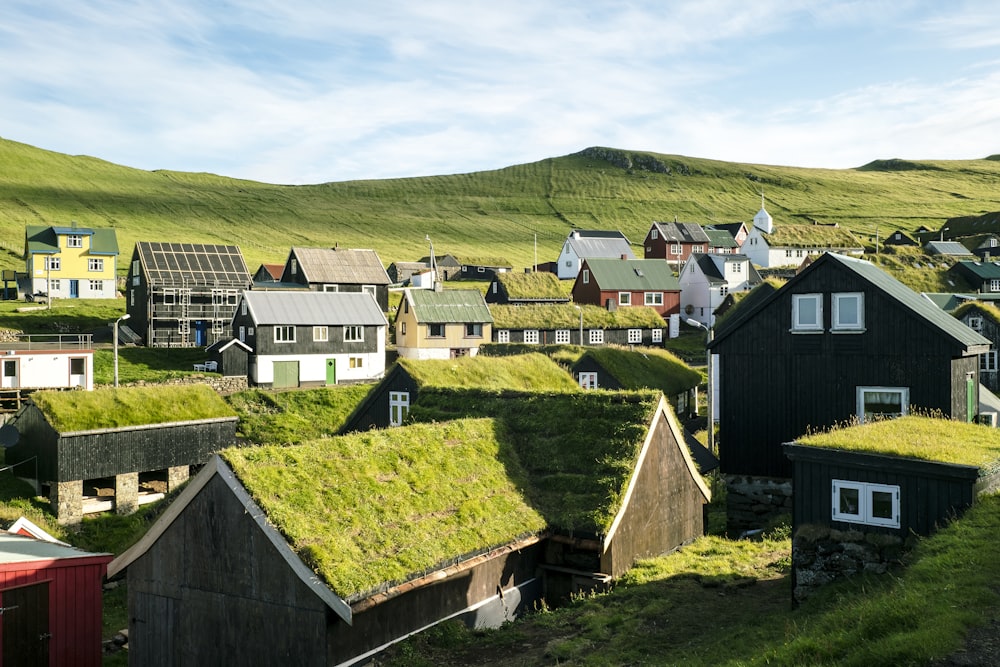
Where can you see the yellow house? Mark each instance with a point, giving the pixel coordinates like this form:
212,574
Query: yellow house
70,262
442,324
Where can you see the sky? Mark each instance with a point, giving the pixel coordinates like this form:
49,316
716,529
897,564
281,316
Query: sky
302,92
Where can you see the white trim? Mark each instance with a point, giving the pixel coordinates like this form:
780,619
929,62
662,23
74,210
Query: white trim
904,400
811,327
854,327
864,515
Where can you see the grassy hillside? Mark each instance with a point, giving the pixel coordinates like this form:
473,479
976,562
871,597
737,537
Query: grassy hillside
494,213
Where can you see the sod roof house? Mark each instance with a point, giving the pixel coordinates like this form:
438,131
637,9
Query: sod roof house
584,244
338,270
566,324
50,594
369,537
70,262
447,266
770,245
117,448
893,479
675,241
388,404
707,279
982,276
482,268
900,238
526,288
442,324
983,246
624,283
984,318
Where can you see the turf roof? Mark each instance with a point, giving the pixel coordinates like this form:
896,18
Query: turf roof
535,285
566,316
811,236
524,372
986,309
646,368
69,411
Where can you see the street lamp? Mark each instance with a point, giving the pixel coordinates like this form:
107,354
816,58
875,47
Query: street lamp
581,323
115,333
710,398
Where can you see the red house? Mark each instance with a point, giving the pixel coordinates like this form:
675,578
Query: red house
620,283
50,594
675,241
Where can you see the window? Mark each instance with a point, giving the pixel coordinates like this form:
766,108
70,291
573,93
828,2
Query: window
569,262
737,267
586,276
354,334
624,298
321,334
654,234
294,266
697,248
52,263
243,308
493,287
861,502
587,380
562,336
243,334
218,297
675,249
807,312
848,311
503,336
481,269
131,297
96,286
994,285
284,334
74,241
170,296
369,289
402,328
331,288
218,326
399,407
531,336
882,402
184,327
95,264
250,331
988,362
723,291
54,285
653,298
596,336
435,331
356,362
232,296
976,324
473,330
657,335
635,335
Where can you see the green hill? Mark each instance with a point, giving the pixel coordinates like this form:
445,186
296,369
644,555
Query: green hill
496,213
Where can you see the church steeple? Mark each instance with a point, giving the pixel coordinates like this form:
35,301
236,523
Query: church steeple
763,220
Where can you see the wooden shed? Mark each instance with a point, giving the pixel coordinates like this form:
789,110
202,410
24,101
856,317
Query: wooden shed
232,356
90,458
50,594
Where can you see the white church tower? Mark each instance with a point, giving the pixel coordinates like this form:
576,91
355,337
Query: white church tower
763,220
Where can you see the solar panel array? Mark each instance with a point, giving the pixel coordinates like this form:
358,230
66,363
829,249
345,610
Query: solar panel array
190,264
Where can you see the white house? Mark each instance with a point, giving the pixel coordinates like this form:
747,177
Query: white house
707,278
48,362
769,245
588,244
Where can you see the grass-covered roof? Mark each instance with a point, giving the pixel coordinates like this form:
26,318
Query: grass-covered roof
917,437
646,368
535,285
523,372
69,411
376,508
566,316
811,236
986,309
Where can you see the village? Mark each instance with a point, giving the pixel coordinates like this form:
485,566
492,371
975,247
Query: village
523,435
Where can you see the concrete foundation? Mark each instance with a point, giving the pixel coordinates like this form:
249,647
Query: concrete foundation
126,493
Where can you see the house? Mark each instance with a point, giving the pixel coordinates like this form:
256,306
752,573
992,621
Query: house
983,246
737,230
900,238
675,241
981,276
70,262
947,249
400,272
47,361
887,481
184,294
388,404
50,594
268,273
442,324
584,244
984,318
231,357
624,283
338,270
302,339
396,530
570,324
721,241
707,279
770,245
88,458
448,267
841,340
482,268
530,287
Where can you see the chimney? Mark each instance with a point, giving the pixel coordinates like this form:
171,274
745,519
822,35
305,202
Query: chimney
624,256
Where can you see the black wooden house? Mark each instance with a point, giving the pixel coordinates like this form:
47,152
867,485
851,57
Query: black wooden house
338,270
841,340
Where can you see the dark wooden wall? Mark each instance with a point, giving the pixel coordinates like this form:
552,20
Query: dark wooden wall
775,386
263,340
373,412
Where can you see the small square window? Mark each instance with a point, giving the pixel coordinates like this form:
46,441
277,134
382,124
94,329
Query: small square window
807,312
635,336
657,335
624,298
531,336
976,324
473,330
284,334
356,362
866,503
354,334
587,379
848,311
435,330
503,336
321,334
596,336
562,336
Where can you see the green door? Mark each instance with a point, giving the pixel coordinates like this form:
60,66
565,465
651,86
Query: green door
331,371
971,405
286,374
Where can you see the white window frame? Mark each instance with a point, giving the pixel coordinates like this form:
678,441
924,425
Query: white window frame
808,327
657,335
976,324
995,285
53,263
284,333
96,286
243,334
170,296
988,362
587,379
904,400
596,337
654,233
354,333
562,337
55,286
864,510
74,241
399,407
634,336
836,300
652,298
676,249
586,276
95,264
531,336
503,335
321,334
624,298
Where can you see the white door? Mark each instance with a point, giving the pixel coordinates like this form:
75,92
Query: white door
10,371
399,407
77,372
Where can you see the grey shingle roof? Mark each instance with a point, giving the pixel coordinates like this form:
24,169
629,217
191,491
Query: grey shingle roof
451,305
682,232
314,308
341,265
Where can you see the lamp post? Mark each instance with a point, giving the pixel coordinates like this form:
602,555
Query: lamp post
115,334
581,323
710,398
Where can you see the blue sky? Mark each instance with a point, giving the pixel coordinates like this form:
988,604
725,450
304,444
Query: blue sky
289,91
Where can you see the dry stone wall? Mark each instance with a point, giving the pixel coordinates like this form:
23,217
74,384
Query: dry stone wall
821,555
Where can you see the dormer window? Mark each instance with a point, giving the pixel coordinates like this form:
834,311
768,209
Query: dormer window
74,241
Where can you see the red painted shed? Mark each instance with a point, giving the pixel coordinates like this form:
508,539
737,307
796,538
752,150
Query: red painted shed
50,603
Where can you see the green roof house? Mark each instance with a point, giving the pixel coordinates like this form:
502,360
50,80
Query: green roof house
442,324
70,262
628,283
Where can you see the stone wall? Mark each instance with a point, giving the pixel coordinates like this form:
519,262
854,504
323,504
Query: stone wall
755,502
821,554
224,384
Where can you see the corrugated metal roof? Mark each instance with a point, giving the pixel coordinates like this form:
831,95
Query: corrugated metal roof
314,308
341,265
633,274
44,239
720,238
18,549
953,248
450,305
587,244
982,270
